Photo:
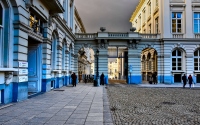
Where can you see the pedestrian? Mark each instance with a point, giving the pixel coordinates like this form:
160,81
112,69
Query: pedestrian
102,79
74,79
85,79
154,76
184,79
190,80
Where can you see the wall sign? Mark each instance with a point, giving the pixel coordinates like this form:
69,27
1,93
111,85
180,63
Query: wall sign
23,64
23,71
23,78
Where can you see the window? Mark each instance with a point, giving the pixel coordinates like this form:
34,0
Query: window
54,53
197,60
150,28
156,2
156,25
63,56
149,8
176,60
196,17
1,34
176,22
36,24
144,16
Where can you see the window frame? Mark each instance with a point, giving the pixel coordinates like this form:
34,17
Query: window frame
198,59
197,24
178,60
1,37
176,22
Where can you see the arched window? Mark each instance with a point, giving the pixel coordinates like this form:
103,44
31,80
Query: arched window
63,56
1,15
70,52
54,52
197,60
176,60
1,35
143,62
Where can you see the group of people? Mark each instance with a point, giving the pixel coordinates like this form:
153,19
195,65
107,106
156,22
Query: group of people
189,79
88,78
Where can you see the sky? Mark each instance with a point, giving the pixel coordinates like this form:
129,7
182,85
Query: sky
112,14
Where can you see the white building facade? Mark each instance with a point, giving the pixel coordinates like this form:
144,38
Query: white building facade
37,40
177,49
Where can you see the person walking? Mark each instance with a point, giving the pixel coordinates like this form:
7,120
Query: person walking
102,79
85,78
184,79
190,80
74,79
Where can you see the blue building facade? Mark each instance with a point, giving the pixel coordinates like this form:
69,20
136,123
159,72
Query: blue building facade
36,46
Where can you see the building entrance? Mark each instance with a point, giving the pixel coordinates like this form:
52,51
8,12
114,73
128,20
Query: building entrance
117,65
34,67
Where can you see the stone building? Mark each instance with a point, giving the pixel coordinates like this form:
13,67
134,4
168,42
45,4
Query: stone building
176,51
37,40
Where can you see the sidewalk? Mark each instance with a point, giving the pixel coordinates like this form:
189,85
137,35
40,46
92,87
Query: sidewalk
80,105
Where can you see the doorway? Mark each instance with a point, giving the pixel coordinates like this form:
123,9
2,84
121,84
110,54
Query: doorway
34,67
117,65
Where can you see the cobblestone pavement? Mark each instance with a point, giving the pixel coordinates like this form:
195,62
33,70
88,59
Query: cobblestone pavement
136,105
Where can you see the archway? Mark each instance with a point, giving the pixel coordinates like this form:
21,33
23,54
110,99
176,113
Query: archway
149,65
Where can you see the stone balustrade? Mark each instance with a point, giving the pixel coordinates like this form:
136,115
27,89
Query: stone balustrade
177,36
150,36
86,35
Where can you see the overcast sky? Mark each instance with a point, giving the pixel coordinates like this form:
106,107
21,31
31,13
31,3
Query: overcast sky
112,14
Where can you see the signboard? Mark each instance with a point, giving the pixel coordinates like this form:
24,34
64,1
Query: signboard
23,78
23,71
130,68
23,64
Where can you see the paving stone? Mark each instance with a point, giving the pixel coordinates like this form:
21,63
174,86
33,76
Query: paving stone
76,121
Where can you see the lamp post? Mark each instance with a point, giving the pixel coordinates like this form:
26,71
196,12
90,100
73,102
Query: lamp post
97,73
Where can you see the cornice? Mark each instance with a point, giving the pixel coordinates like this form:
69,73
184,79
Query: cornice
137,10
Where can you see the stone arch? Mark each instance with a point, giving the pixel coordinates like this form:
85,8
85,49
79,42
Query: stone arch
178,46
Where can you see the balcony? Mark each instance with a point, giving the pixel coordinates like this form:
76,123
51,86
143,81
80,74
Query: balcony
54,6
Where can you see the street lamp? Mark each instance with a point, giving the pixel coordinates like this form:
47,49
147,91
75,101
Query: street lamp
96,82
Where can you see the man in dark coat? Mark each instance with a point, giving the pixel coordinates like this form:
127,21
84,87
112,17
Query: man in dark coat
184,79
102,79
74,79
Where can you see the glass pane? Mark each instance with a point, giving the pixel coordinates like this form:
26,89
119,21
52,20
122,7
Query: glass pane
174,53
179,15
196,60
173,21
179,68
173,15
195,68
195,30
178,21
195,15
195,21
179,64
173,68
196,64
196,53
173,64
1,14
179,60
179,26
173,59
179,53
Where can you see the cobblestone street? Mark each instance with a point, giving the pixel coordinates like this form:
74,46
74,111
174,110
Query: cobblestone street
134,105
